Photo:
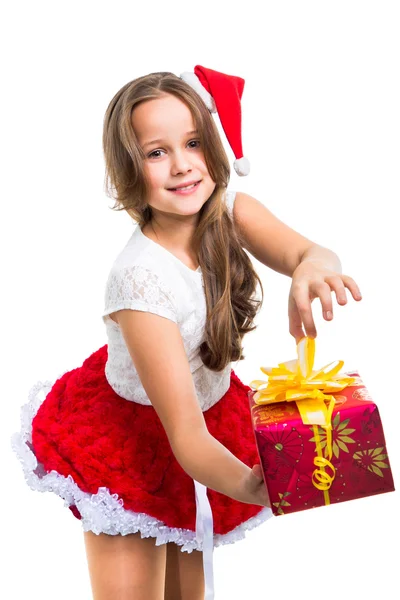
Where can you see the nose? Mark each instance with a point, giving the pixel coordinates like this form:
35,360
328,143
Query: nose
180,163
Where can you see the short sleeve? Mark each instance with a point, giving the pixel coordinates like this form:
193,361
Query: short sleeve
230,200
138,288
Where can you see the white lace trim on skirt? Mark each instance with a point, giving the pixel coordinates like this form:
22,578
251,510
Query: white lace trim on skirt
103,512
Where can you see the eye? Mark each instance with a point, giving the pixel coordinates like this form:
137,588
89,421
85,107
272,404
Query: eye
154,152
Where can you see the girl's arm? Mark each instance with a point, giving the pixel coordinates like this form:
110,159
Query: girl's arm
207,461
156,347
315,270
267,238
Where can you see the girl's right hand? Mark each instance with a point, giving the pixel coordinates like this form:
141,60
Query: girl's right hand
254,490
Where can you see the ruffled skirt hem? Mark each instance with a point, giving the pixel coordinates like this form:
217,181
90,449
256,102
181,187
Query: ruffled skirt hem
82,441
103,512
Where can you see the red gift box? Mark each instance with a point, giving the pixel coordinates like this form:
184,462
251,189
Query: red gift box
307,464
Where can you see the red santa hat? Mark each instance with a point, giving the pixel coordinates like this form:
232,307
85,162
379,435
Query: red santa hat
222,93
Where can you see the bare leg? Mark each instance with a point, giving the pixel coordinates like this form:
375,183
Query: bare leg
184,577
125,567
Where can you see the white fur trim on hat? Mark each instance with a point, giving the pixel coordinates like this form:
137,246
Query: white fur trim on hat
242,166
194,82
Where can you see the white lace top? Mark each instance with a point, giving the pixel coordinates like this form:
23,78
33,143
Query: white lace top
147,277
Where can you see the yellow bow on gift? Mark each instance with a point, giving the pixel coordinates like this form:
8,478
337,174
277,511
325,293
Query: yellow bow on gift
295,380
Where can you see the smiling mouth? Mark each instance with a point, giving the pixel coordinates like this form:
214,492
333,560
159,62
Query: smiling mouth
187,187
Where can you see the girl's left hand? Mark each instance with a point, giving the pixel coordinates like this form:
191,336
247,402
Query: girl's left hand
309,281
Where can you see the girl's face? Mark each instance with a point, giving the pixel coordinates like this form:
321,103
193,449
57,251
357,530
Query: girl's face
166,132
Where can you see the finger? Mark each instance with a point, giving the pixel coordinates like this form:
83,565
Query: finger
337,285
296,331
303,304
322,290
257,471
352,287
295,324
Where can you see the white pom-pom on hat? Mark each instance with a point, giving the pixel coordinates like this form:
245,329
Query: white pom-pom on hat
242,166
222,93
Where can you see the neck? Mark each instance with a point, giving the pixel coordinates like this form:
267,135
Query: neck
177,236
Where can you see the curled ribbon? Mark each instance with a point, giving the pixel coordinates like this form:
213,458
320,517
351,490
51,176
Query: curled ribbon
295,380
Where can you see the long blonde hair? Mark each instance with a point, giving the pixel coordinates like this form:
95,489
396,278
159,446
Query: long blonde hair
230,281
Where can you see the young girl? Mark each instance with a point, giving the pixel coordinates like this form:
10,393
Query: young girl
132,438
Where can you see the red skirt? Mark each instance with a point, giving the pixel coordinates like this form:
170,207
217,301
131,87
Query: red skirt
111,461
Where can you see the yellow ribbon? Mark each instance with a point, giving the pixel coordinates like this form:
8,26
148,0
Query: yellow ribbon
295,380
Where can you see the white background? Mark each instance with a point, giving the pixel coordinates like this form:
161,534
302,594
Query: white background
321,129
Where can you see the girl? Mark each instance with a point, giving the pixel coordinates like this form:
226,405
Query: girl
132,438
